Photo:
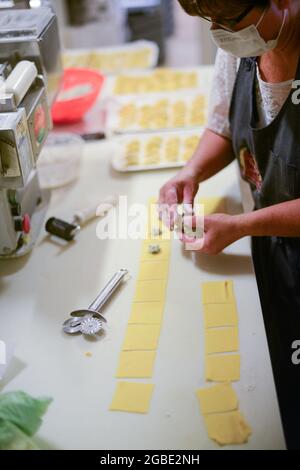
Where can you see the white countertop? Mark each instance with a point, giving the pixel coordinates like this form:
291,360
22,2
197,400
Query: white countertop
38,292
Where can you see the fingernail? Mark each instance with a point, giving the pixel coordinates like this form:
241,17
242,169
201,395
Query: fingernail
188,209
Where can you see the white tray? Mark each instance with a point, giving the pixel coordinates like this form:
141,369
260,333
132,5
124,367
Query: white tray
119,157
202,82
91,58
115,106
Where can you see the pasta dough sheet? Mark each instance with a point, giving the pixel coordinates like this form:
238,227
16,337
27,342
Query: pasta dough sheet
220,292
141,338
155,224
216,315
217,399
213,205
132,397
147,313
150,291
153,270
221,340
222,368
136,364
227,428
163,255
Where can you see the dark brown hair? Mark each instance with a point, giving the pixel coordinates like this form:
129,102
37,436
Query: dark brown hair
226,9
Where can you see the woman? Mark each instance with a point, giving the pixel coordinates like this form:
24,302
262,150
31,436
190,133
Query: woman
255,117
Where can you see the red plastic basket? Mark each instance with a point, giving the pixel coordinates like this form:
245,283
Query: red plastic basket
79,91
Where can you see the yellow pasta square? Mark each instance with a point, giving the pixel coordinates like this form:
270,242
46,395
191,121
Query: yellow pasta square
132,397
153,270
147,312
158,232
150,291
213,205
220,292
220,315
153,214
222,368
217,399
221,340
141,338
153,201
227,428
162,255
136,364
153,209
155,223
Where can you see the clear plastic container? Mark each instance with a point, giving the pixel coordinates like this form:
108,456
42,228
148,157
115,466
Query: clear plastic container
60,160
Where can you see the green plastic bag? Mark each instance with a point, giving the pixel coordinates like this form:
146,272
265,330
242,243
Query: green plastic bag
20,419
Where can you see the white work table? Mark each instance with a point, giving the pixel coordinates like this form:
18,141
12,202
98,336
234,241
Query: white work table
38,292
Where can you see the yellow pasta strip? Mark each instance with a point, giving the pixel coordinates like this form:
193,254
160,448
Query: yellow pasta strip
141,338
132,397
153,270
220,315
163,255
222,367
136,364
217,399
221,340
227,428
220,292
147,313
150,291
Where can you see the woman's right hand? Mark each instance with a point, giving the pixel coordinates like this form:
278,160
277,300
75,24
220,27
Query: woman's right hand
180,189
213,153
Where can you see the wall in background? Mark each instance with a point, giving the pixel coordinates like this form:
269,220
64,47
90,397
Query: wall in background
189,45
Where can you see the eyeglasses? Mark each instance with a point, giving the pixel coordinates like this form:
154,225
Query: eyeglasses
229,23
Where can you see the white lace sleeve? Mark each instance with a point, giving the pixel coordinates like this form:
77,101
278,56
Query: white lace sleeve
226,67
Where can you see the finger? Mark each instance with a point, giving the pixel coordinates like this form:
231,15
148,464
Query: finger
171,196
186,239
193,227
168,215
165,218
188,195
172,201
162,203
162,195
195,246
188,209
191,221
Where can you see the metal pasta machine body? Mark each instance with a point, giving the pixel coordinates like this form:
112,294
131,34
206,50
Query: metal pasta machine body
30,73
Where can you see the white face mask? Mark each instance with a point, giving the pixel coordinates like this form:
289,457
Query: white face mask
247,42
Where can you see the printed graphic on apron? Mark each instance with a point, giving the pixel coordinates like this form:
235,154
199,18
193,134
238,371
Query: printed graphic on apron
250,171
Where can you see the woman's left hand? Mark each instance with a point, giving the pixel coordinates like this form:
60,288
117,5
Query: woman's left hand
220,231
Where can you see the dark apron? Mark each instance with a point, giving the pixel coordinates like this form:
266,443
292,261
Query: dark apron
269,160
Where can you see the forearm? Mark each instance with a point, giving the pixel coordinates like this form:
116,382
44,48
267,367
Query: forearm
281,220
213,153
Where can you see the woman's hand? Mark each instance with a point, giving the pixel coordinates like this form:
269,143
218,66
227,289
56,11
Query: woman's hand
213,153
220,231
182,188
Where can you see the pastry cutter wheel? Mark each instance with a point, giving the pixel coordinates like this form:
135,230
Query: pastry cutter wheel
90,321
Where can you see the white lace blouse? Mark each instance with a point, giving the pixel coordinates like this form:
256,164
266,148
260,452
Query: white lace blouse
270,96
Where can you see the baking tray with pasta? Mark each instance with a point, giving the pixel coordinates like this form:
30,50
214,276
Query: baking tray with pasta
161,80
111,60
157,112
142,152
